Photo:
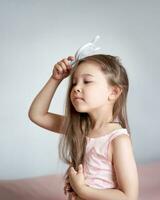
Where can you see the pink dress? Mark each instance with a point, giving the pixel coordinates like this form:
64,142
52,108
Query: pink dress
98,170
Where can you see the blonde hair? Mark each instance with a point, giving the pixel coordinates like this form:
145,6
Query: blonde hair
72,143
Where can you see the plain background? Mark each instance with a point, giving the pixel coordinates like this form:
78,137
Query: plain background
35,34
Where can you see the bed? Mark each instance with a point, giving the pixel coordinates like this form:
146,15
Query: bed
50,187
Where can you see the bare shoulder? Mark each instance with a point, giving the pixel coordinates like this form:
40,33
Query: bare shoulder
125,166
113,127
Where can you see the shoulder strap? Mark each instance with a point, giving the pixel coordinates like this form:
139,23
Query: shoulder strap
117,133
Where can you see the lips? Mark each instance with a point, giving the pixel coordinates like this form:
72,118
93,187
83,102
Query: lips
78,98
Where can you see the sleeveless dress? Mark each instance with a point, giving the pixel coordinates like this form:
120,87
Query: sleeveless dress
98,170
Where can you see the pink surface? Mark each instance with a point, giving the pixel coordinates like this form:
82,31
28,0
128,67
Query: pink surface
51,187
38,188
149,177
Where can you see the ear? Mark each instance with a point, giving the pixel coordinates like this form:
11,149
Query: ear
115,93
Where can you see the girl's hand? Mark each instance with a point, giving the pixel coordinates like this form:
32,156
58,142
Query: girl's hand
69,191
62,68
76,178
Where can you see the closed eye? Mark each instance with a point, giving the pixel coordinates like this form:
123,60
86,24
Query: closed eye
87,81
84,82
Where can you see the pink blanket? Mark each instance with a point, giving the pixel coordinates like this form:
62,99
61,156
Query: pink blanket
50,187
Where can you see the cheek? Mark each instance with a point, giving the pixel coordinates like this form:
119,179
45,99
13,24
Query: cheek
71,94
95,95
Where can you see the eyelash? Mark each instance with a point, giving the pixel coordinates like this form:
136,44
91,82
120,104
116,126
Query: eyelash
84,82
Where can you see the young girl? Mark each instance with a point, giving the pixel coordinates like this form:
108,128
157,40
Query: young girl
96,141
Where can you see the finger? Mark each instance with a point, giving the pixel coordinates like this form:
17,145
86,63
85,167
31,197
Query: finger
68,66
73,171
64,67
80,168
59,68
71,58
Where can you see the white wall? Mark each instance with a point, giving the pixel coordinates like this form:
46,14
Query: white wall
35,34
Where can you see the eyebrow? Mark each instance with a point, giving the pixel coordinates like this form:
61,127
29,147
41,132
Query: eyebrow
84,75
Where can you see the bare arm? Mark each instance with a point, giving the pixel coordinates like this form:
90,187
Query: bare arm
38,111
104,194
41,102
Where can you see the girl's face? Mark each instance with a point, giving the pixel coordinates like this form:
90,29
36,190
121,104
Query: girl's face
89,84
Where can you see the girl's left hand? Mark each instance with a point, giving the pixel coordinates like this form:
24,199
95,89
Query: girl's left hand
76,178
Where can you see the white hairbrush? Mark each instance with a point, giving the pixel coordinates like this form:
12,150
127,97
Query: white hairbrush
86,50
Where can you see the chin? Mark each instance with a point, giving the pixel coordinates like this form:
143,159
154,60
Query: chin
81,110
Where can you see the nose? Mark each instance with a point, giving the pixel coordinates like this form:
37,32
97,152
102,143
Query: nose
77,89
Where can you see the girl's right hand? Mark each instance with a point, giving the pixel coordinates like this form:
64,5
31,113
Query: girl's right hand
62,68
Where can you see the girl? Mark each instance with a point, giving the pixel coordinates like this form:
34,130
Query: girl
96,140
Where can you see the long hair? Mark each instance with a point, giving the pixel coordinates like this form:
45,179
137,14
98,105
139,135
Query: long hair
72,143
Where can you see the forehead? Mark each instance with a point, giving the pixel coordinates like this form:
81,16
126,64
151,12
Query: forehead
88,69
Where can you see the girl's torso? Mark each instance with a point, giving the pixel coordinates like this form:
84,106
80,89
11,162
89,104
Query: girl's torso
98,166
103,132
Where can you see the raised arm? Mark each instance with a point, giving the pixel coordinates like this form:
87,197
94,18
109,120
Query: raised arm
38,111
